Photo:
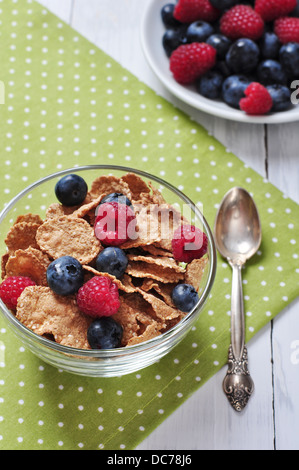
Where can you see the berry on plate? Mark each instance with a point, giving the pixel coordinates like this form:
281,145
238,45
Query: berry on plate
270,45
190,61
257,101
112,260
287,29
270,72
210,84
220,43
281,97
233,89
104,333
115,223
173,38
11,289
167,16
199,31
188,11
65,275
242,21
272,9
243,56
289,58
189,243
184,297
98,297
71,190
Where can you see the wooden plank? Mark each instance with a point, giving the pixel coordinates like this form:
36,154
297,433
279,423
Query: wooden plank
283,171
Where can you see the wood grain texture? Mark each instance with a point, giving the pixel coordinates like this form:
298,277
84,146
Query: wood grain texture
206,420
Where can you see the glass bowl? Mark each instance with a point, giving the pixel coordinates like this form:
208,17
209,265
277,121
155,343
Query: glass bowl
113,362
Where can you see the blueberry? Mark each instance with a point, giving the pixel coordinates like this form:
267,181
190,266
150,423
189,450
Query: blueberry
199,31
210,85
243,56
221,43
295,12
269,45
71,190
223,4
116,197
184,297
233,89
281,96
112,260
289,59
104,333
65,275
167,16
270,71
173,38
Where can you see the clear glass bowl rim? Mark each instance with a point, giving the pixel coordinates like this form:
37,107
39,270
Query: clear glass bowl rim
112,353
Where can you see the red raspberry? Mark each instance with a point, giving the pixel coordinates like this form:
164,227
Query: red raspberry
98,297
189,243
11,289
115,223
287,29
189,61
188,11
242,21
258,100
272,9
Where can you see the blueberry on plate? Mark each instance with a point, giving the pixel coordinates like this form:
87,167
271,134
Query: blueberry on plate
173,38
270,71
281,97
210,85
104,333
289,59
112,260
233,89
184,297
168,19
71,190
199,31
221,43
65,275
269,45
243,56
116,197
223,4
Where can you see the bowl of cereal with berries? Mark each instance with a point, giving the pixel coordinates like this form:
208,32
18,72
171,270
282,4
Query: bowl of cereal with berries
229,58
109,275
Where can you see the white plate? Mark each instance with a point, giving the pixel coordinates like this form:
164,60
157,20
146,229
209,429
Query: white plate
152,30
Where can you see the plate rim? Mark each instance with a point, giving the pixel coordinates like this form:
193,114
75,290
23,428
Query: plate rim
186,96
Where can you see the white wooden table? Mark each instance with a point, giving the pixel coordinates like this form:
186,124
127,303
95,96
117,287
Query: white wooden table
207,421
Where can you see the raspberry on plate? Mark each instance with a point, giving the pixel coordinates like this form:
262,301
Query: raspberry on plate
11,289
242,21
189,61
189,243
188,11
115,223
257,101
272,9
98,297
287,29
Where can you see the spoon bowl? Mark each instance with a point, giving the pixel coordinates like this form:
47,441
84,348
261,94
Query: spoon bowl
237,228
238,236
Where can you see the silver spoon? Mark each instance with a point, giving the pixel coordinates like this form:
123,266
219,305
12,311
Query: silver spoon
238,236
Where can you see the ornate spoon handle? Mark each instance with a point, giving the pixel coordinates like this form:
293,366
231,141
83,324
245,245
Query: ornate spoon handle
237,385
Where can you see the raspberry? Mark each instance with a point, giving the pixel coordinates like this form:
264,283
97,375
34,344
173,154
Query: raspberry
98,297
115,223
242,21
189,61
188,11
272,9
287,29
258,99
12,288
189,243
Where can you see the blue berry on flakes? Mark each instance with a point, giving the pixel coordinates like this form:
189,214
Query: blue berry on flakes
184,297
71,190
65,275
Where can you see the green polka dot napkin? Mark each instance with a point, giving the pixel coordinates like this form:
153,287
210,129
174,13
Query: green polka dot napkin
67,103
